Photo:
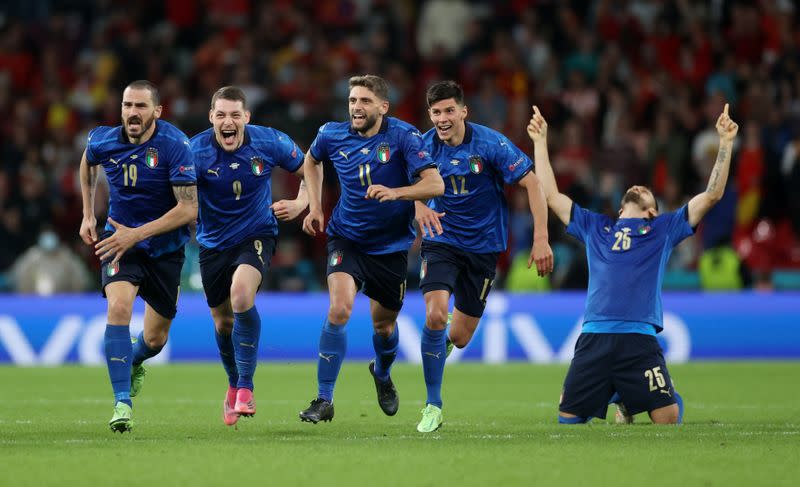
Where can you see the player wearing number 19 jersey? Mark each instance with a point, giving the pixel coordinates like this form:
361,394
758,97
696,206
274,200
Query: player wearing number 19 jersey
617,351
377,159
476,163
237,231
151,176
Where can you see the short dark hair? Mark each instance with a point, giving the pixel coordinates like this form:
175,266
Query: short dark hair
143,84
375,84
232,93
444,90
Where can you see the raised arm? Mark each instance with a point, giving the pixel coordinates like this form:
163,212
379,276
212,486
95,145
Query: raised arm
703,202
429,185
312,176
183,213
88,177
560,203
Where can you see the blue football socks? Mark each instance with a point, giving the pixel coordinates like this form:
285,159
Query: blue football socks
119,353
245,336
385,353
434,350
332,349
141,351
228,357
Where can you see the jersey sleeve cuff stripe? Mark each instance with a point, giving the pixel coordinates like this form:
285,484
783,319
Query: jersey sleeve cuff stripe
183,183
429,166
518,179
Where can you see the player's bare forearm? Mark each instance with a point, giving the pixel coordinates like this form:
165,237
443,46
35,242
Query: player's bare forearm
703,202
560,203
719,174
88,178
430,185
183,213
538,204
312,177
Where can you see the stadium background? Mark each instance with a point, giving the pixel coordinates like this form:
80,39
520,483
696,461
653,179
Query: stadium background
631,90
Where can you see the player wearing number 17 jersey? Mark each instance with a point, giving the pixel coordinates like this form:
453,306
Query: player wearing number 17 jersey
466,228
617,351
237,231
378,159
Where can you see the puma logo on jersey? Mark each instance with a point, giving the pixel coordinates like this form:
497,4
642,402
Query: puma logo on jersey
215,172
344,154
434,355
327,358
662,391
113,161
117,359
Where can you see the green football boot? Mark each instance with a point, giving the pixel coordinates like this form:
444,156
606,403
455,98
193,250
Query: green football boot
121,421
431,419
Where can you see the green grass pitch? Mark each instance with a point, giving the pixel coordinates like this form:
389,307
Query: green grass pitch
742,428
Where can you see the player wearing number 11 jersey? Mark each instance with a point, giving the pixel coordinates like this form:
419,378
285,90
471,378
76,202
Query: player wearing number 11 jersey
617,351
382,168
237,231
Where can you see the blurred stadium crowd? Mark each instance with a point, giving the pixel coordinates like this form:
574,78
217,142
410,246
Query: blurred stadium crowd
631,90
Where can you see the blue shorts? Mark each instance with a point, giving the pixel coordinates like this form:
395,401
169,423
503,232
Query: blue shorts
628,363
466,275
381,277
217,266
158,278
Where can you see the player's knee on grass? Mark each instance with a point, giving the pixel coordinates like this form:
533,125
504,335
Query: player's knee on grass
339,312
665,415
567,418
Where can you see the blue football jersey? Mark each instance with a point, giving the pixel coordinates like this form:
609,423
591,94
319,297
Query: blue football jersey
626,260
141,177
474,173
234,188
393,157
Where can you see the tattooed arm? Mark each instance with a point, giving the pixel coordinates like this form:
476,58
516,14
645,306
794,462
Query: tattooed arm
124,238
703,202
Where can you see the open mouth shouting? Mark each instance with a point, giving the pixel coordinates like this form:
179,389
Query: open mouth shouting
358,118
444,130
228,136
134,124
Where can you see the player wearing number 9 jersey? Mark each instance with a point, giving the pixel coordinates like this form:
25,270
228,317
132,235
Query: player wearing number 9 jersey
382,168
617,351
237,231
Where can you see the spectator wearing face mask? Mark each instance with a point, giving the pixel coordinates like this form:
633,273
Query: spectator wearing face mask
49,267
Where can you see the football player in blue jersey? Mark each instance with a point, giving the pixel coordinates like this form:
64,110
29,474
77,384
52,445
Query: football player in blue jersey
153,197
617,351
237,231
382,168
466,229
